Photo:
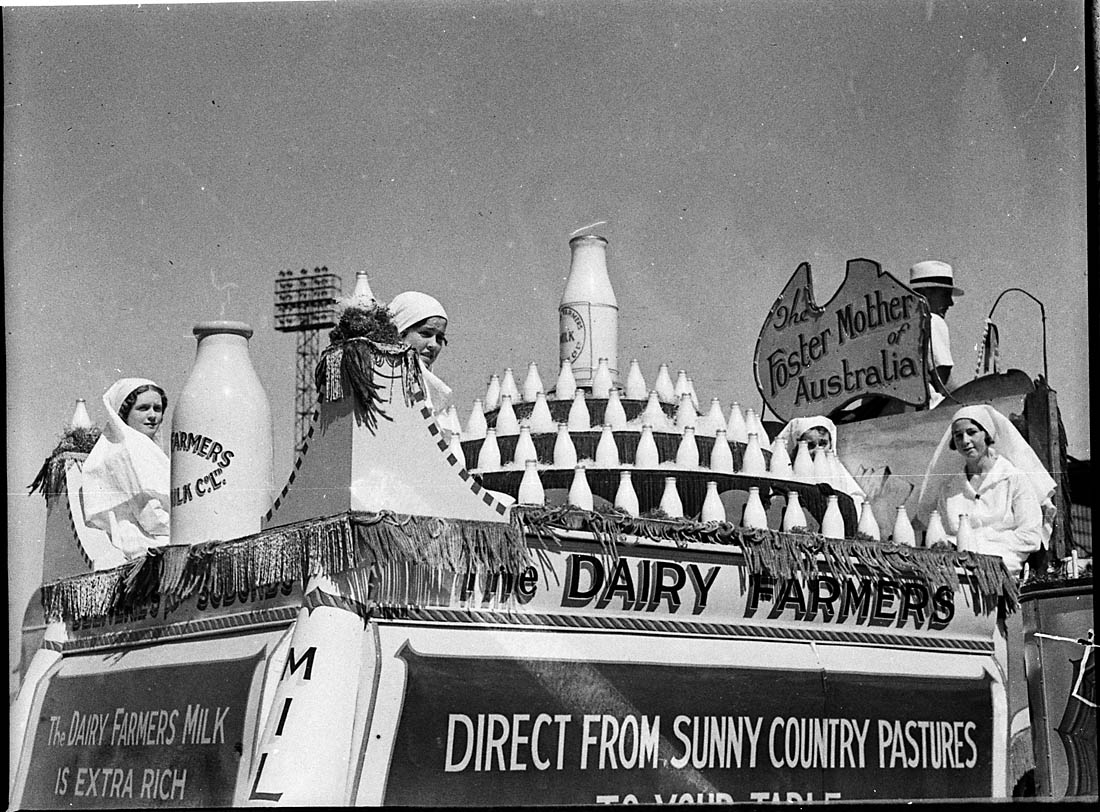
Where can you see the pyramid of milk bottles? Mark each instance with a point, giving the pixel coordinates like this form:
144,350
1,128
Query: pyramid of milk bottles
593,438
646,450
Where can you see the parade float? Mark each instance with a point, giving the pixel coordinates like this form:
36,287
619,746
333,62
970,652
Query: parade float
598,591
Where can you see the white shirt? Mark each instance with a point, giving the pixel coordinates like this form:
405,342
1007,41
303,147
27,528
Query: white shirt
1004,512
941,357
941,343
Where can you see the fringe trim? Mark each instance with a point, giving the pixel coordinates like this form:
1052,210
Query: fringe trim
348,368
413,560
75,444
50,479
789,555
92,595
407,556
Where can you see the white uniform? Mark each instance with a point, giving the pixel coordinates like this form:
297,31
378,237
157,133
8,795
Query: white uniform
941,356
1004,513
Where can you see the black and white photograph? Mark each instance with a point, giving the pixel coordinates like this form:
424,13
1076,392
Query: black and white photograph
548,402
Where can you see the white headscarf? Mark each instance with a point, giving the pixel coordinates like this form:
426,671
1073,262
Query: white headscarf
121,389
407,309
124,464
1007,442
411,307
792,433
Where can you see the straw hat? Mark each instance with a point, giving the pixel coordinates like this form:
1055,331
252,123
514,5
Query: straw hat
931,273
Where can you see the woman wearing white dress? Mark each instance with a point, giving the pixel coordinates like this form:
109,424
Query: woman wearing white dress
125,486
999,483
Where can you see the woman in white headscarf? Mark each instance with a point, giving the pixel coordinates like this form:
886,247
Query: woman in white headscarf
999,483
125,478
422,323
819,432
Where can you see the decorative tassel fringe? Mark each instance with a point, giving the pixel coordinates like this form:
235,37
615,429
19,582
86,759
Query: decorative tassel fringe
330,383
607,527
789,555
445,544
174,573
412,381
413,560
348,368
92,595
357,375
50,479
405,555
75,444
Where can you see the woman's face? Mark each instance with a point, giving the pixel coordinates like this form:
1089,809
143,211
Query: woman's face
428,338
147,413
816,438
970,439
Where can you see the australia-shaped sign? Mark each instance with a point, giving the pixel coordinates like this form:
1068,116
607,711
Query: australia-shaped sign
869,339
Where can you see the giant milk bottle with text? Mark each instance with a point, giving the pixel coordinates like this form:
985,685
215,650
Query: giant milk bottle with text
588,315
221,444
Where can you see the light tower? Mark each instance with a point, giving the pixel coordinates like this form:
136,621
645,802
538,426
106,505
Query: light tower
303,305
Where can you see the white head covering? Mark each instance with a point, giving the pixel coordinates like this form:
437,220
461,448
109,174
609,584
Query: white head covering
121,389
411,307
124,463
793,431
1007,442
407,309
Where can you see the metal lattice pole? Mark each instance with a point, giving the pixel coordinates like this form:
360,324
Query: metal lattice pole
303,305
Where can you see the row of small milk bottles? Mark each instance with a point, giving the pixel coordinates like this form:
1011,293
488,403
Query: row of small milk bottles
531,492
738,426
634,387
741,428
822,468
603,388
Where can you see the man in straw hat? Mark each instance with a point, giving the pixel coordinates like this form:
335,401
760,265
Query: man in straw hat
935,281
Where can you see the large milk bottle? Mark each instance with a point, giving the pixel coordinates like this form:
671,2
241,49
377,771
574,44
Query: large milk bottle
588,316
222,448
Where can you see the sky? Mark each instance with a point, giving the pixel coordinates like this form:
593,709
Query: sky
162,164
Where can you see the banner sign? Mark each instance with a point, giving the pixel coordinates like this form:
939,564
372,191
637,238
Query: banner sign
646,585
868,340
491,731
167,736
